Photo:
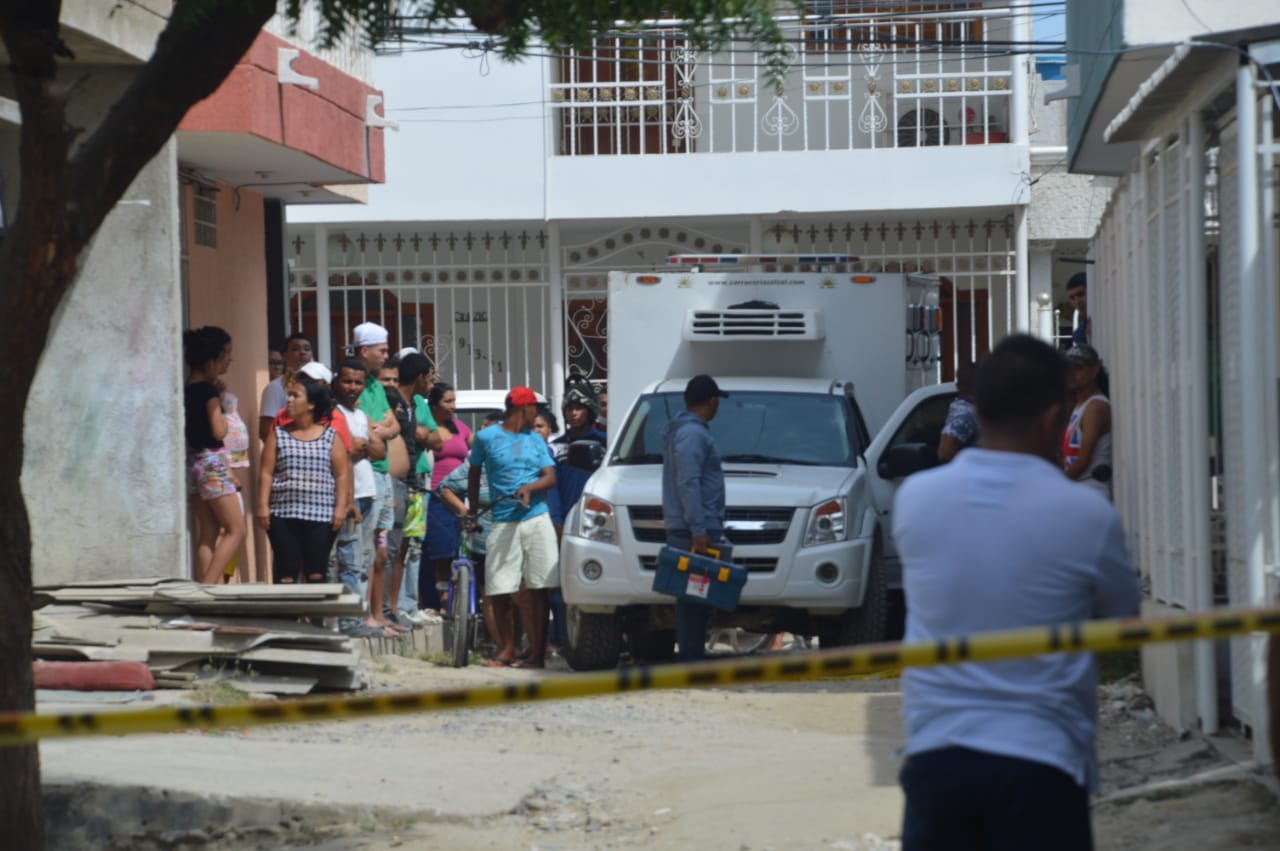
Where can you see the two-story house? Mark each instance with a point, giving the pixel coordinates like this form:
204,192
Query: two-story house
905,138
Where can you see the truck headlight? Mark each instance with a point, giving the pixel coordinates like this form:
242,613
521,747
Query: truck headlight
827,523
596,519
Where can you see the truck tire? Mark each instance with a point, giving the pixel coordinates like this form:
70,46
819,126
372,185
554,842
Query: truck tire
653,646
869,622
592,642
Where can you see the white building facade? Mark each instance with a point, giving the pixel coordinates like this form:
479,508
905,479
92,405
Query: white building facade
910,141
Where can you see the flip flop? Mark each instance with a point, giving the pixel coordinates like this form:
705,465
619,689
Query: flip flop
529,664
497,663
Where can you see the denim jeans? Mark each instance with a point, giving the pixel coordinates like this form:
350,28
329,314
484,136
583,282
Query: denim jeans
408,602
355,550
693,619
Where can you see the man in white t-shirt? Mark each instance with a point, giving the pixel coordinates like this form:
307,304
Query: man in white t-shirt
356,540
298,351
1002,754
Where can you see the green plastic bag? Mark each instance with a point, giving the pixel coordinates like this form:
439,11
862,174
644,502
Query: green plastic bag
415,517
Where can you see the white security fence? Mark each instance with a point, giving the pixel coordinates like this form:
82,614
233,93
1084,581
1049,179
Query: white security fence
1183,298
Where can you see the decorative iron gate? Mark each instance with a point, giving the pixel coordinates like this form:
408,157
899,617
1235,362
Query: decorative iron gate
475,301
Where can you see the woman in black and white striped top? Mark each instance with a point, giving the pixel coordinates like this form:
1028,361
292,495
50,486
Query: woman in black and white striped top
303,485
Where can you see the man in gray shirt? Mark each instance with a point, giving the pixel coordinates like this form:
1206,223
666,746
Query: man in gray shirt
1002,754
693,498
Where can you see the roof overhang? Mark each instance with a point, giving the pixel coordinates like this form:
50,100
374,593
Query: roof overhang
1148,85
245,161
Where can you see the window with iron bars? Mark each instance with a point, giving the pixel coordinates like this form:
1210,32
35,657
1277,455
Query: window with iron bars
204,203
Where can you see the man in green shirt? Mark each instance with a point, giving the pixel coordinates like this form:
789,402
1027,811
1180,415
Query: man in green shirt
369,345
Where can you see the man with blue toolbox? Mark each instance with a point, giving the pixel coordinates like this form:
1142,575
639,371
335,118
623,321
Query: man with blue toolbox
693,499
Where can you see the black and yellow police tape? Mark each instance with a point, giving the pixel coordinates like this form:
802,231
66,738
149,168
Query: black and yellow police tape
1103,635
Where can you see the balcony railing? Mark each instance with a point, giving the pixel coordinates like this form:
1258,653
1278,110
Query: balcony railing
855,81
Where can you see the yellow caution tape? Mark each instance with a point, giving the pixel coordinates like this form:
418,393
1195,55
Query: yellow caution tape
1120,634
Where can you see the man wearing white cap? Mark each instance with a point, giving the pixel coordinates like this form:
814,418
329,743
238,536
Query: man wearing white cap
369,345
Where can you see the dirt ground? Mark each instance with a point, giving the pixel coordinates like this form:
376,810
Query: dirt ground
793,766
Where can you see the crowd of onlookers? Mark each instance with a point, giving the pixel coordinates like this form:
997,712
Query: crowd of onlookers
368,475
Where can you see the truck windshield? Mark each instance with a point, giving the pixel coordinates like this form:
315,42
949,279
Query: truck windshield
751,428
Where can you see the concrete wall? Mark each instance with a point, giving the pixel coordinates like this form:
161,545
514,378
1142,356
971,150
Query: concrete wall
104,446
227,287
1156,21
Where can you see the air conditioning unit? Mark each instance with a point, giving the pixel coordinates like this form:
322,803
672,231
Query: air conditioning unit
751,324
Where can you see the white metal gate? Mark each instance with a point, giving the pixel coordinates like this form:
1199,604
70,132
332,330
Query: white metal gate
475,300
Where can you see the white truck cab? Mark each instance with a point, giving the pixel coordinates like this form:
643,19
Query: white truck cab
814,436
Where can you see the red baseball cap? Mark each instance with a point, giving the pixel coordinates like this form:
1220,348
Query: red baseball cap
521,396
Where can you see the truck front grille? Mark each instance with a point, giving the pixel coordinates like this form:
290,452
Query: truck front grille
743,526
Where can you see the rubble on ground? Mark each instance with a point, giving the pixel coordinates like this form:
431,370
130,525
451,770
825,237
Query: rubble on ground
262,638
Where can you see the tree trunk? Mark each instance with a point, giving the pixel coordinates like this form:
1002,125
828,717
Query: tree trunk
64,197
21,818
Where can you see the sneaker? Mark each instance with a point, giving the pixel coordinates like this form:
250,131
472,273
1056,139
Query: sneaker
401,620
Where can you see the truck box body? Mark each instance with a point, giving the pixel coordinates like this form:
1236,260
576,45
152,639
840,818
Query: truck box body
839,330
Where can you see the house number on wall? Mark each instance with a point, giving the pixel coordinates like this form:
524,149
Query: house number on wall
476,316
478,354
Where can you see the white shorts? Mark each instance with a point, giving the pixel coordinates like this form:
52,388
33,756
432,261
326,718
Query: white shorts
521,550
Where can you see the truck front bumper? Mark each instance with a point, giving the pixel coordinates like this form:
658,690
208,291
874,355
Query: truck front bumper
794,583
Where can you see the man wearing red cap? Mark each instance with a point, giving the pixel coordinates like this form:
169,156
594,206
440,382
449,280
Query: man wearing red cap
522,543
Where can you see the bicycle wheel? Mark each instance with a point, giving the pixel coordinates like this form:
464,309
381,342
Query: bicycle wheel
460,613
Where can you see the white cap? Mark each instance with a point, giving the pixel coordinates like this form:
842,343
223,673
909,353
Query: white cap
368,334
407,350
318,371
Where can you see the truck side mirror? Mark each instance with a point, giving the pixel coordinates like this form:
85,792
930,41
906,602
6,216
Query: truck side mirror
905,459
586,455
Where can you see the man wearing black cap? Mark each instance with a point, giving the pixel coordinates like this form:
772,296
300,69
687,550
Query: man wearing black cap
693,498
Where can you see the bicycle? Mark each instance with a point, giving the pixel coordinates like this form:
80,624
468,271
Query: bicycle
461,605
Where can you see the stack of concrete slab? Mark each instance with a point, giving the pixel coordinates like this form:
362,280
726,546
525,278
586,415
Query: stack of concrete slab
255,636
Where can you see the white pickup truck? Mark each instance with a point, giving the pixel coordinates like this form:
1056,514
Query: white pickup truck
813,362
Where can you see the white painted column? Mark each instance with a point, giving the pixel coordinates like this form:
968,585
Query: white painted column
1019,127
1195,431
323,332
1255,370
555,329
1040,286
1021,273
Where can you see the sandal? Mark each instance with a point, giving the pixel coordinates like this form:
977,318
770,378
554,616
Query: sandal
498,663
529,664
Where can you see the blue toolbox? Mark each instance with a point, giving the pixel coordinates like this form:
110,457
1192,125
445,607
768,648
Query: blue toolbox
702,578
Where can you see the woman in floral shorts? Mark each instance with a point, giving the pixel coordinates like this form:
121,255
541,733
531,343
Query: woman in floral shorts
219,527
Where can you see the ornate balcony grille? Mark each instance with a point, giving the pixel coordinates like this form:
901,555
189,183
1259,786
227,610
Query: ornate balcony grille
858,80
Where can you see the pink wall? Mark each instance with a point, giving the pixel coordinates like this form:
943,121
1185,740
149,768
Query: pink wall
327,123
227,286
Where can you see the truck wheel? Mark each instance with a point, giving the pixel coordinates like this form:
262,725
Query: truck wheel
869,622
592,642
653,646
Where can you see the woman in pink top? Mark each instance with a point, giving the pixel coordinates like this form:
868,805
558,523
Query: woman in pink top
443,526
443,402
